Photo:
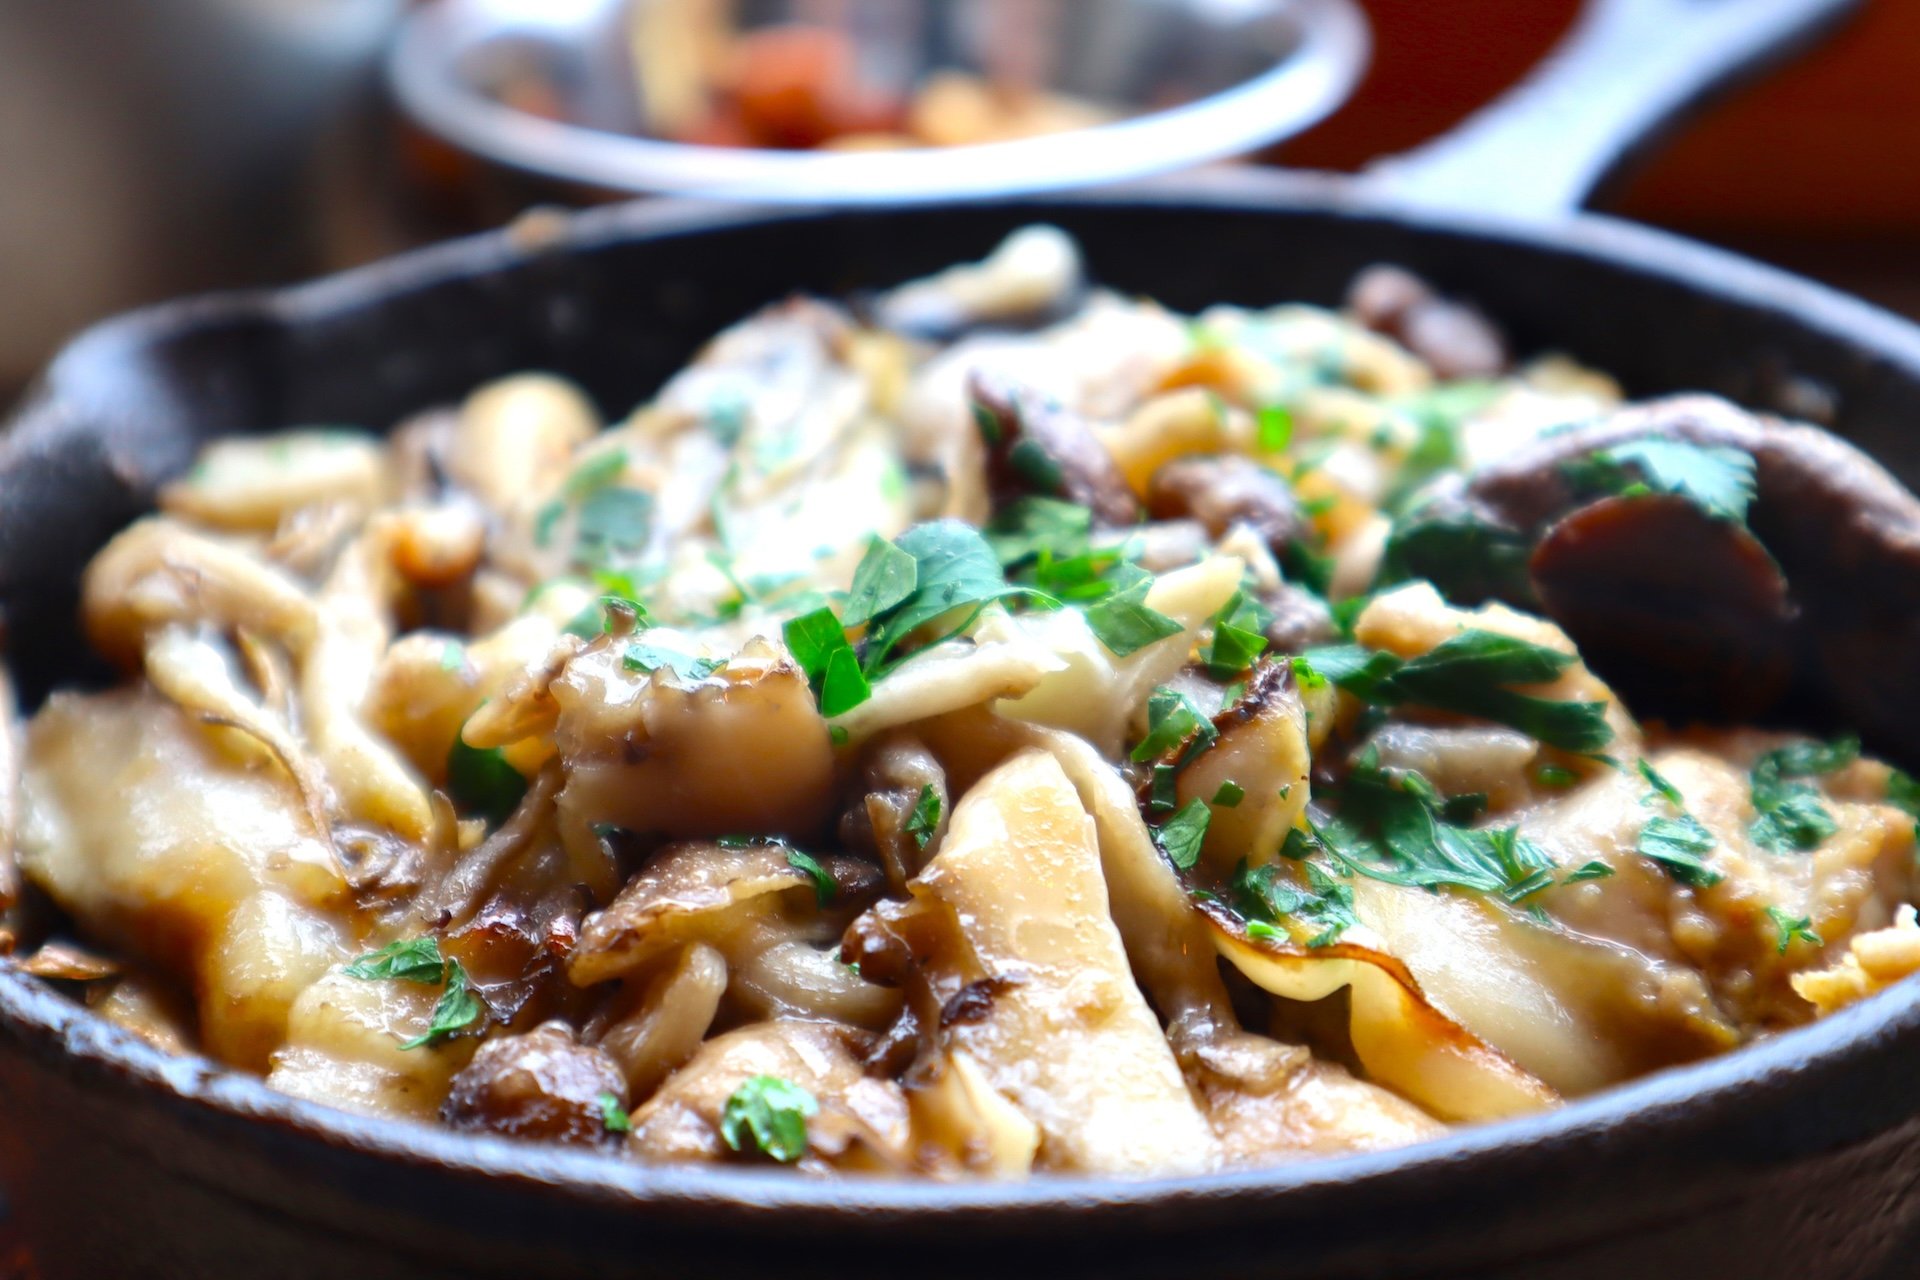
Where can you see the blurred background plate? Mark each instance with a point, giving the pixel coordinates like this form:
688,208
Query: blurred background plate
862,101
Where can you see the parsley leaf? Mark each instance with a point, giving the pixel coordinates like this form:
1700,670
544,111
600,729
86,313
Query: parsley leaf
409,960
819,644
1468,674
1025,528
1717,479
1390,826
1229,795
614,1116
1238,636
482,783
653,657
925,818
768,1115
1181,836
1791,928
1124,624
1265,898
1466,559
1595,870
1676,844
459,1008
614,524
823,886
1171,720
1273,427
885,576
954,569
1791,817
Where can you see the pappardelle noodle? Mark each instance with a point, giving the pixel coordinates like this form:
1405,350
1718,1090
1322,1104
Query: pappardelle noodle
991,727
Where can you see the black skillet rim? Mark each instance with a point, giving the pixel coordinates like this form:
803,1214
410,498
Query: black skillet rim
1712,1100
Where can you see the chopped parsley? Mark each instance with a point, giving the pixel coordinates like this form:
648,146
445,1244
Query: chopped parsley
1470,674
1265,899
1791,817
823,886
819,644
613,1116
1791,928
1715,478
1238,637
1125,624
1181,836
1171,720
482,783
419,960
408,960
768,1116
613,525
1555,777
1595,870
1273,427
954,569
458,1009
885,577
1675,842
1229,795
925,818
1391,825
685,666
1468,560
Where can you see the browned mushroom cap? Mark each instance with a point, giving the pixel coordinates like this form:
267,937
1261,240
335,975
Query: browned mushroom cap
1451,336
1844,535
543,1085
1035,446
1221,492
1694,606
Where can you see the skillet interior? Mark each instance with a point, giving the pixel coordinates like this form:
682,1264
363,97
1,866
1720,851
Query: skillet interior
1776,1156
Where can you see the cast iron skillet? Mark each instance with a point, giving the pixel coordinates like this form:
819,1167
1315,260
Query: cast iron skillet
1798,1157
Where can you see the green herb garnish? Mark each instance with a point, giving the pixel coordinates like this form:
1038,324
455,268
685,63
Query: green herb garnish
1325,905
925,818
1716,479
1791,927
653,657
1181,836
1238,637
482,783
768,1115
1125,624
409,960
1470,674
1791,816
613,1116
819,644
1229,794
823,886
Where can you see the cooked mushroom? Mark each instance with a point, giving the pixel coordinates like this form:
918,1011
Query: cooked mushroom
1451,336
1036,446
543,1085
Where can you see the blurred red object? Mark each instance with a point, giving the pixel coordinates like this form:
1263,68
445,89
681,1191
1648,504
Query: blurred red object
1820,148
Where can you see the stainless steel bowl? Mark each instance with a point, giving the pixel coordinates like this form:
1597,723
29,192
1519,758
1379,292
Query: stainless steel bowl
1190,80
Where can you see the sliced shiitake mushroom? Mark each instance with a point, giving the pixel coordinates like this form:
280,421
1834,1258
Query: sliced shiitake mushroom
1036,446
1453,337
1824,579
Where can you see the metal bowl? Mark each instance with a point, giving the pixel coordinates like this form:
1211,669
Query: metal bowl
1189,81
